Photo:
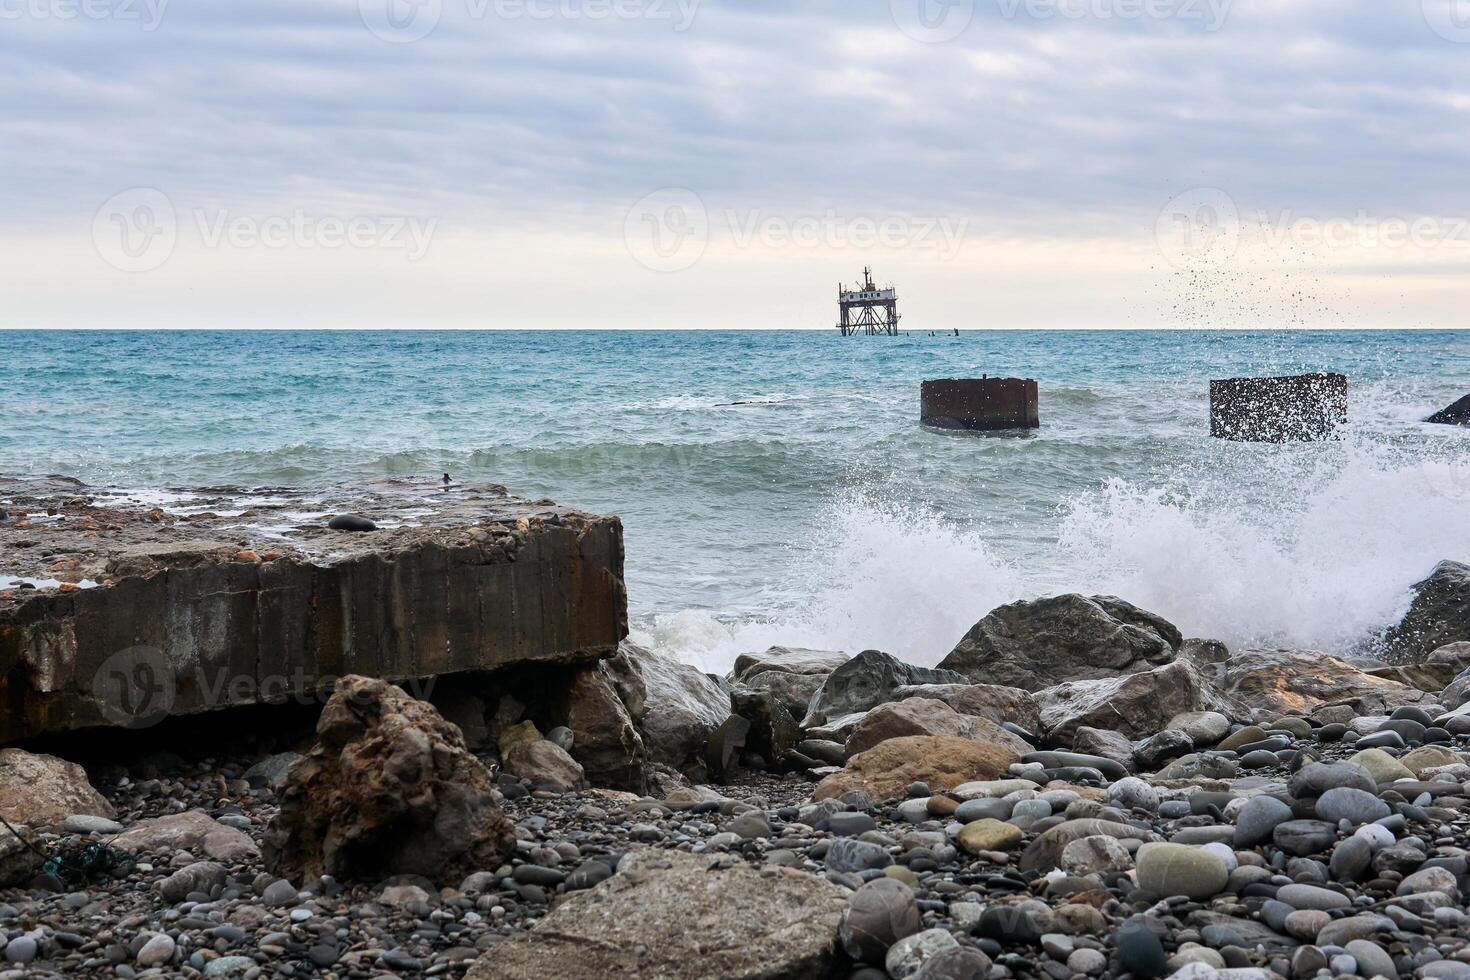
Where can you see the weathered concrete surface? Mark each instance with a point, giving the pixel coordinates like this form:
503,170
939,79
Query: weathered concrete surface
1300,408
224,597
982,404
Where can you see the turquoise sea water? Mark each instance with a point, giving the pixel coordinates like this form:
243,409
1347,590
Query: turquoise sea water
776,485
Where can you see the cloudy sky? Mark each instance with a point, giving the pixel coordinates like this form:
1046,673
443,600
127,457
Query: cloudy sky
724,163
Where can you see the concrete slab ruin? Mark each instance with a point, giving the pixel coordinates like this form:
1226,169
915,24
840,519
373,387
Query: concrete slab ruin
118,612
979,404
1300,408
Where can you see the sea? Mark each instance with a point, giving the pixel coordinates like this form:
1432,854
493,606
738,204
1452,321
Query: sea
777,487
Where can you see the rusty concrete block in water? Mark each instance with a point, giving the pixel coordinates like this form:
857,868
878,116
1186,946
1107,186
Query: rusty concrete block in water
116,615
982,404
1298,408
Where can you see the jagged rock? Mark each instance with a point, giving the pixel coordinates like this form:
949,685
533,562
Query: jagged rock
722,751
940,762
923,716
1203,727
1135,705
271,771
18,856
389,788
194,831
1108,744
794,691
1426,677
1456,414
992,701
1167,744
41,790
1270,683
675,916
866,681
605,741
1438,616
681,707
791,660
773,732
1034,644
545,763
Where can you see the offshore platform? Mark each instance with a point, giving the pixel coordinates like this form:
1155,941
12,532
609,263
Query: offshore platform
876,309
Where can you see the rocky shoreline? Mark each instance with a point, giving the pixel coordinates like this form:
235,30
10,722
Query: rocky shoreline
1077,790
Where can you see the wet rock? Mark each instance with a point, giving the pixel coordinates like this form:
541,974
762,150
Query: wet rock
677,916
41,790
866,681
351,522
793,691
1438,616
941,762
793,660
389,788
1063,638
605,741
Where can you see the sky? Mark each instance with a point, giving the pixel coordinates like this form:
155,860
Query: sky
727,163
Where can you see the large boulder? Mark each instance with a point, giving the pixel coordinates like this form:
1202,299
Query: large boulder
923,716
1439,615
1269,683
388,788
672,916
545,764
605,742
1134,705
680,706
791,660
795,691
940,761
998,704
866,681
41,790
1034,644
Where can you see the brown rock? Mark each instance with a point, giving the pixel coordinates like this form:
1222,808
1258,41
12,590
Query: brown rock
194,831
1271,683
992,701
1108,744
604,739
915,716
1135,705
388,789
672,916
545,764
41,790
940,761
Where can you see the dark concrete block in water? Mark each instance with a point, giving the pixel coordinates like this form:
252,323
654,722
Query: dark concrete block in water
980,404
1456,414
241,597
1301,408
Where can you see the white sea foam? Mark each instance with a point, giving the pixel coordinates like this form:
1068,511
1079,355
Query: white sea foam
1310,548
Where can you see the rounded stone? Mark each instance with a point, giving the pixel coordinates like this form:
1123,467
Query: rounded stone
1351,859
1316,778
848,855
1312,897
1098,854
956,963
351,522
1089,962
1383,767
156,951
989,835
1304,924
1303,837
1132,792
908,955
1178,869
983,809
1372,959
879,914
1352,805
1258,818
22,949
1141,952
